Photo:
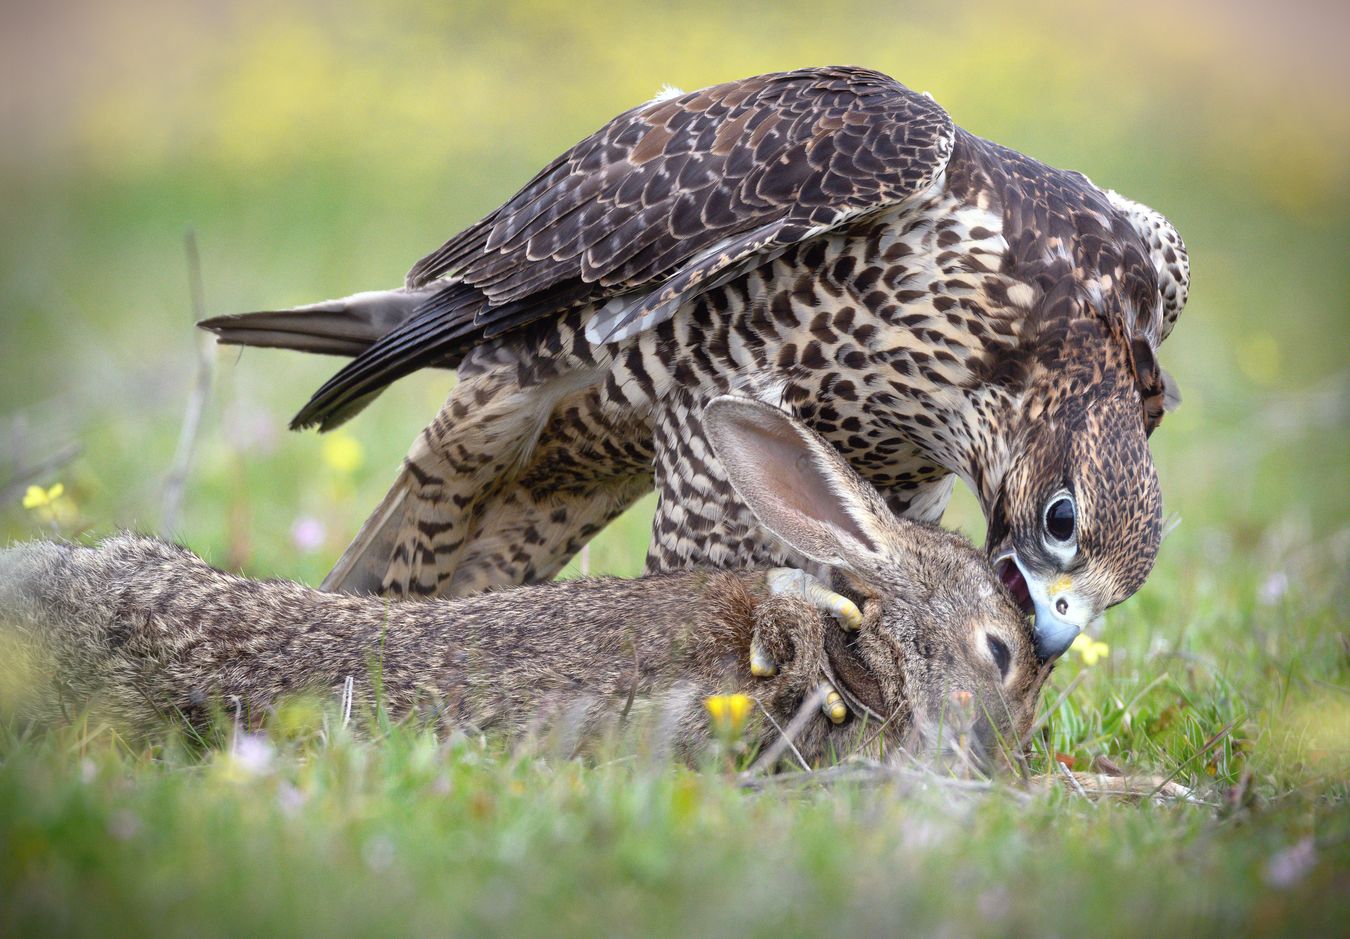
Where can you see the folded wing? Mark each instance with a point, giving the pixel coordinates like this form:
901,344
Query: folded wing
667,200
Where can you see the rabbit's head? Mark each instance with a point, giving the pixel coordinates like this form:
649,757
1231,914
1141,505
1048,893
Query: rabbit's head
943,647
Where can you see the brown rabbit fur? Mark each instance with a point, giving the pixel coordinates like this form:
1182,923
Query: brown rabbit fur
137,628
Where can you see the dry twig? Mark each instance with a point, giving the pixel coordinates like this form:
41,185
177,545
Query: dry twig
769,758
795,752
176,481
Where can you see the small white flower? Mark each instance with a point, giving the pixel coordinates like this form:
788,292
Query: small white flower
123,825
1273,588
378,853
291,799
251,755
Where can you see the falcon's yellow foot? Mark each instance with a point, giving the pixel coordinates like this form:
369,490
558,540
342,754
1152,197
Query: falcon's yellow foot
789,580
761,666
833,706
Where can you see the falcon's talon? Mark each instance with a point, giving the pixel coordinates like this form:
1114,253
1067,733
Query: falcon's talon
833,706
761,666
845,610
790,580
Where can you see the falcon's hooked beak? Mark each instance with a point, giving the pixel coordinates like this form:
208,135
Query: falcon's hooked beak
1060,613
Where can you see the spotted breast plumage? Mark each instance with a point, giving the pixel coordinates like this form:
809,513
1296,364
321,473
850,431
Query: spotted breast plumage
937,306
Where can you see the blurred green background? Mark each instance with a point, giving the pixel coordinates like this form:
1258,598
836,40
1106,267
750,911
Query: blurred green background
317,149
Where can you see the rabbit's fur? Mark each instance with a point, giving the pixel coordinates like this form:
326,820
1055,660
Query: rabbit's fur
138,628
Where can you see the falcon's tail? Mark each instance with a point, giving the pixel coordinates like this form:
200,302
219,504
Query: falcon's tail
346,326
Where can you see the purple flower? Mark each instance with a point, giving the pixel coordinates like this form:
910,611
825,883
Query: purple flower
308,534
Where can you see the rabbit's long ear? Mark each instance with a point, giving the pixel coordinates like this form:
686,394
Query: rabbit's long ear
798,486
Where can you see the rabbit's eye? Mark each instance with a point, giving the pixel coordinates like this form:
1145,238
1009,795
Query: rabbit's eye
1002,657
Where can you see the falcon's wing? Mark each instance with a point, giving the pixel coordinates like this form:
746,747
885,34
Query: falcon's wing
1160,300
666,200
1167,255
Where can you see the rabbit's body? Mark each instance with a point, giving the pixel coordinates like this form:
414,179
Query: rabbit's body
141,629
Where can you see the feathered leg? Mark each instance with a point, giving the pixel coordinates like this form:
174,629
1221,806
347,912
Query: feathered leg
503,487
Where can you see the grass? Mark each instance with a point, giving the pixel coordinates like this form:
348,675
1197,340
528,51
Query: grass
397,830
1230,669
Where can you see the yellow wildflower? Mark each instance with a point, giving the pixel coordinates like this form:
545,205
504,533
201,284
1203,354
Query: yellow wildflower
38,498
728,712
343,452
1091,650
50,503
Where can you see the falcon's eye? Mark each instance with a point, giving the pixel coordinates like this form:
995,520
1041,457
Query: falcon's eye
1059,518
1002,657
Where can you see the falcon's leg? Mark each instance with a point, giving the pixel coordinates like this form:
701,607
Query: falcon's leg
699,521
924,499
525,535
588,465
791,582
413,540
503,486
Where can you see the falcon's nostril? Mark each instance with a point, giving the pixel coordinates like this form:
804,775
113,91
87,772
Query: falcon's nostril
1061,606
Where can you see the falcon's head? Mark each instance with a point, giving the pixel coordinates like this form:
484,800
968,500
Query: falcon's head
1077,522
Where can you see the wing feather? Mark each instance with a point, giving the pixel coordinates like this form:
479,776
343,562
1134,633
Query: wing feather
643,202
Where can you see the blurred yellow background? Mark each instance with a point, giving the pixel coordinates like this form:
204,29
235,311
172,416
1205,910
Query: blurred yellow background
320,148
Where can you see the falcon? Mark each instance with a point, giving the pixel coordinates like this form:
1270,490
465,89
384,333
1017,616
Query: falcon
936,305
